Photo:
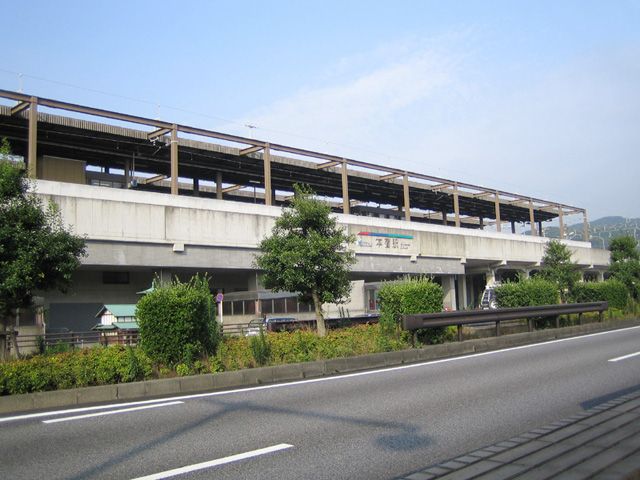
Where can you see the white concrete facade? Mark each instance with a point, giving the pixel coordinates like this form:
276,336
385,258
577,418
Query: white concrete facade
145,232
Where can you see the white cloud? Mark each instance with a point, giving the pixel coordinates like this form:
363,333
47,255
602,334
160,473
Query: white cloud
568,134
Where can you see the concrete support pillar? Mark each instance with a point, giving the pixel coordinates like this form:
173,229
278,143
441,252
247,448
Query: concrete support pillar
561,221
585,226
491,276
266,157
407,204
196,187
463,301
532,220
456,205
32,156
445,221
254,284
127,173
174,160
164,276
600,275
498,219
449,288
526,273
540,230
346,207
219,185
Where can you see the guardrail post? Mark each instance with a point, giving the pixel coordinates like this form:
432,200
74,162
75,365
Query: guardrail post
557,321
600,314
580,319
459,332
497,328
530,324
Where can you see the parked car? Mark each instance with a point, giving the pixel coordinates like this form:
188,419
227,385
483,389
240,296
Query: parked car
271,324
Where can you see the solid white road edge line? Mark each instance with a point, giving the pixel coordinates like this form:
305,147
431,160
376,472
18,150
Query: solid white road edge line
111,412
617,359
311,380
215,463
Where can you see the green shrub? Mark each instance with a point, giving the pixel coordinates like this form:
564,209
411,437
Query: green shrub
260,348
613,291
411,295
305,345
177,322
76,368
527,293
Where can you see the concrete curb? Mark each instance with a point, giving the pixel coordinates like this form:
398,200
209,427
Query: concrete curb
284,373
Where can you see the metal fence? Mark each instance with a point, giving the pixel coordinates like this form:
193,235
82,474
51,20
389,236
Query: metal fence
76,339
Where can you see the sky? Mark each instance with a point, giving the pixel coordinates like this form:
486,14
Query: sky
540,98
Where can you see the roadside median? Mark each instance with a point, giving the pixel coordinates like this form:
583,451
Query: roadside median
283,373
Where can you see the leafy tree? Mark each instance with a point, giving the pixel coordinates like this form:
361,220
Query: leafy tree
308,253
558,267
37,252
625,263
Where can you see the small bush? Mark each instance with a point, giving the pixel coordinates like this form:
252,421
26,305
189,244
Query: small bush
613,291
528,292
412,295
177,322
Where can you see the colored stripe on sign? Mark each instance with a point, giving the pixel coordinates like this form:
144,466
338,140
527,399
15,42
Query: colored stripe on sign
385,235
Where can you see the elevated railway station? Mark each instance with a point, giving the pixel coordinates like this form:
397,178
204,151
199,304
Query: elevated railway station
160,198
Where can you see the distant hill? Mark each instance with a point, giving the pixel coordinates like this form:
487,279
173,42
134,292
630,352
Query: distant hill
601,230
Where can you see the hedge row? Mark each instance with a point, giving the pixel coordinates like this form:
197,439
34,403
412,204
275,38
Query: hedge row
529,292
77,368
613,291
412,295
119,364
304,346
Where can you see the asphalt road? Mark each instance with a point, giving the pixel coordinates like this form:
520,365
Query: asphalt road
377,424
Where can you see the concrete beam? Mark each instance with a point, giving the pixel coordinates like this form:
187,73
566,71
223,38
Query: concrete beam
174,160
232,188
158,133
219,185
532,221
456,205
32,156
327,165
345,189
390,176
407,203
157,178
247,151
21,106
266,158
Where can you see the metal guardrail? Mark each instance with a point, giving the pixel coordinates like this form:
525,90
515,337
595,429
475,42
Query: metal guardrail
471,317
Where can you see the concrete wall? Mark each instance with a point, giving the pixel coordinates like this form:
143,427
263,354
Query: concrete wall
131,228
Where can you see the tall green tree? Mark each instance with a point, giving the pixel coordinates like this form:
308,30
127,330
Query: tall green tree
558,267
37,252
308,253
625,263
